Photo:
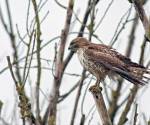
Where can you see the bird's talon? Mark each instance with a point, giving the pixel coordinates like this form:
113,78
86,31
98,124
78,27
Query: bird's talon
98,86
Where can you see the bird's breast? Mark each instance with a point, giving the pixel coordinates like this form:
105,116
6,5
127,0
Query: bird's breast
85,62
81,57
96,69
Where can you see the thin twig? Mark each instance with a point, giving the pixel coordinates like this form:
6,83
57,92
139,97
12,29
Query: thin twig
104,15
38,35
82,103
92,114
59,4
29,65
3,21
77,98
13,42
135,115
131,97
25,106
115,94
27,18
11,70
42,47
27,55
62,97
118,32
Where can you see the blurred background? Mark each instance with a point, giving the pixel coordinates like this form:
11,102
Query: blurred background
49,85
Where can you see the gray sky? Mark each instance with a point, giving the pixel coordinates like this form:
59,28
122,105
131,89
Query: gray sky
52,27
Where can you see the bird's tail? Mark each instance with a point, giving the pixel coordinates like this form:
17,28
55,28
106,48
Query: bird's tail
140,75
136,75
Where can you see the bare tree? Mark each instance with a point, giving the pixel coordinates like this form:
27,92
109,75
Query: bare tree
117,101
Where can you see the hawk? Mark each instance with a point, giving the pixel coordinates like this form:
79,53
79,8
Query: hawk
101,60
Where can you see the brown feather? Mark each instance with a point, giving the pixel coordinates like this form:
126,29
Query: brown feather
100,60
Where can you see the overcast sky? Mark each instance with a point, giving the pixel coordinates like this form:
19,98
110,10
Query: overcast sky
51,28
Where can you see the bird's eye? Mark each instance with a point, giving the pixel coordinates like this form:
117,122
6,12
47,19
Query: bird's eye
72,43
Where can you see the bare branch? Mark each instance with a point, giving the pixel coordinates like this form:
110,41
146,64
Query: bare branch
77,98
135,115
3,21
59,65
62,97
38,35
59,4
13,42
101,107
118,32
104,15
82,121
11,70
1,105
29,65
25,106
144,19
115,96
131,97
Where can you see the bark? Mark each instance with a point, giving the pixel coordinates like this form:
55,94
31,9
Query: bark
143,17
100,104
59,66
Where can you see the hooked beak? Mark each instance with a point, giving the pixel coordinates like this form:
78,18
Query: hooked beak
69,48
72,48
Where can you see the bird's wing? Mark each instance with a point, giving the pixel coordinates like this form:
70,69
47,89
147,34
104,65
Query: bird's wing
108,50
112,62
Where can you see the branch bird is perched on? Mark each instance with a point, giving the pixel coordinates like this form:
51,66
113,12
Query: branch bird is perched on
101,60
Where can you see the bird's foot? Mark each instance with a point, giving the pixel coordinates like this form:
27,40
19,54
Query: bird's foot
98,86
95,88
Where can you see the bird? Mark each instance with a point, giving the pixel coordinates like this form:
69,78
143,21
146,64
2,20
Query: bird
102,60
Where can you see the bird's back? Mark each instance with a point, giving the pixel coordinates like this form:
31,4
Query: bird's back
101,59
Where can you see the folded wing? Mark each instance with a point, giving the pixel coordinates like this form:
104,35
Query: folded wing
118,63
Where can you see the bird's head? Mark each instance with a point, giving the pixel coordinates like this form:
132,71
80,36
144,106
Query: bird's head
77,43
